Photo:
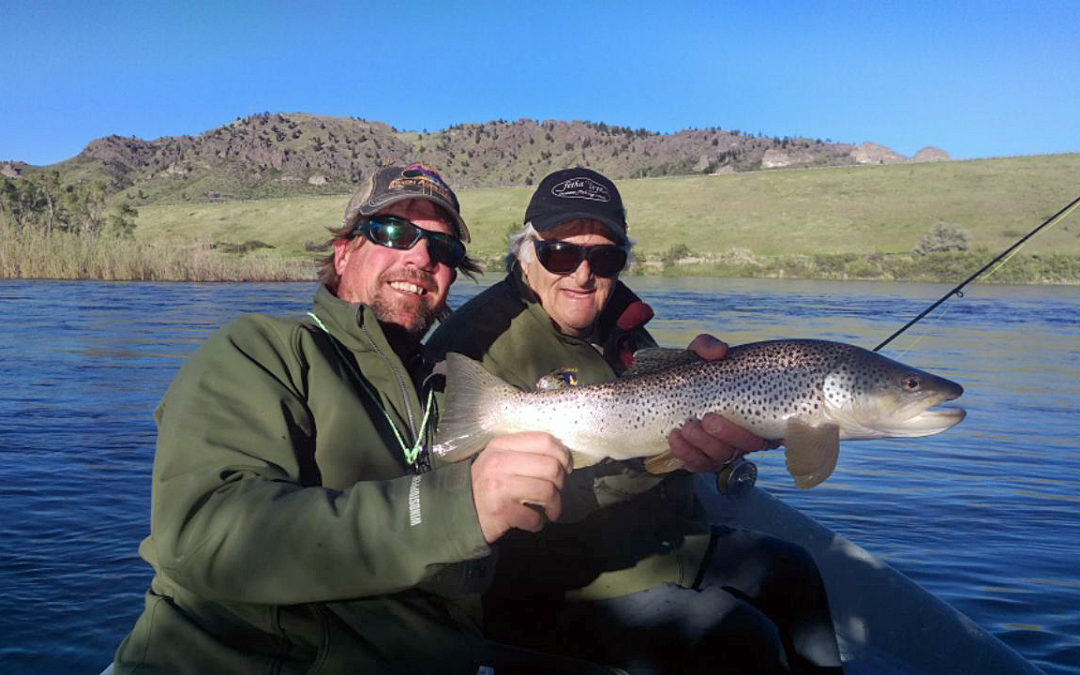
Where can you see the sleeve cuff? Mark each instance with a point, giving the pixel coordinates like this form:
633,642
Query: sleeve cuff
444,502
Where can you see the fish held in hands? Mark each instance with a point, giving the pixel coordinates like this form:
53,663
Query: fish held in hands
811,394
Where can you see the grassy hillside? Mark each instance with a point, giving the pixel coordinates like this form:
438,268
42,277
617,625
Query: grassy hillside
857,210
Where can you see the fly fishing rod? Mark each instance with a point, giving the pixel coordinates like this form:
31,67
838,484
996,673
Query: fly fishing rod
958,291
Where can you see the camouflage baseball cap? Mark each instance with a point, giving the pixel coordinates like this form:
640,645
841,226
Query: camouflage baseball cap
391,184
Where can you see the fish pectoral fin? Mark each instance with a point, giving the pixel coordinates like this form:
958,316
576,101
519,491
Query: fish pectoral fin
811,452
665,462
580,459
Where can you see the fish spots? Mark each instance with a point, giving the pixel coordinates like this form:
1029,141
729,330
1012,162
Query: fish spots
760,386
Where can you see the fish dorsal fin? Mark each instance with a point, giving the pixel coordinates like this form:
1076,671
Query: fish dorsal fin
564,378
665,462
811,452
659,358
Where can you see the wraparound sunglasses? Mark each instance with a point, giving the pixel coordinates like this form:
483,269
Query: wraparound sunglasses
398,233
562,257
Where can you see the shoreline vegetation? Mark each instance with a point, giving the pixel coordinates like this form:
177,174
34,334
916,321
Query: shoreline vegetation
74,256
70,256
931,222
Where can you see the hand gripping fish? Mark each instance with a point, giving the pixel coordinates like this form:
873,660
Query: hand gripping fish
810,393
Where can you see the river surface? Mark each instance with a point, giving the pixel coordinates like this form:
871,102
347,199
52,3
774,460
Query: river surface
986,516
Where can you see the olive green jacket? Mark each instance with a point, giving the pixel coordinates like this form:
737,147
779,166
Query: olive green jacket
623,529
288,532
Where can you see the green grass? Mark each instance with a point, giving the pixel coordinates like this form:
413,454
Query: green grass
807,211
884,209
286,224
791,222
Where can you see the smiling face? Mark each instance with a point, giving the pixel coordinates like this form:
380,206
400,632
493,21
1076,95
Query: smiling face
404,288
573,301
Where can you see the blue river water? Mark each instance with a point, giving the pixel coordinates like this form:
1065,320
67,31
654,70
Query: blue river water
985,516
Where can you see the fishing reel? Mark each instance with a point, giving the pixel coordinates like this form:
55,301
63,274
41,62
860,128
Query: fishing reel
737,478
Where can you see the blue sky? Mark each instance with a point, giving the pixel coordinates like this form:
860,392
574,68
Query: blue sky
978,79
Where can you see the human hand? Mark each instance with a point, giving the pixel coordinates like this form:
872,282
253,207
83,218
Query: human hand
518,481
709,444
708,347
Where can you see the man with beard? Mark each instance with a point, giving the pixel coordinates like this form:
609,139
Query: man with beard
296,523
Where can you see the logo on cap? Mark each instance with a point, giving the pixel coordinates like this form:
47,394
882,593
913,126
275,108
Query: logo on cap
421,178
581,188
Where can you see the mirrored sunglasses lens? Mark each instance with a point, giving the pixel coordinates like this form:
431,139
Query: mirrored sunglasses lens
395,233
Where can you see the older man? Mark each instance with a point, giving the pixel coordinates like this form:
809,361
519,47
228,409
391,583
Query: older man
296,525
632,575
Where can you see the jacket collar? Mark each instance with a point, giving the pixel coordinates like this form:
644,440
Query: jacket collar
355,326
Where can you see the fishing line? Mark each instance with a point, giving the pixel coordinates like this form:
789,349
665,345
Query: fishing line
917,340
1000,260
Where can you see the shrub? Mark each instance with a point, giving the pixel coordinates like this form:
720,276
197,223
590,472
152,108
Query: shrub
676,252
942,238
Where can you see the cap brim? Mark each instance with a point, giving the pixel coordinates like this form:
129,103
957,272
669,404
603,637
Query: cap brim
459,222
549,223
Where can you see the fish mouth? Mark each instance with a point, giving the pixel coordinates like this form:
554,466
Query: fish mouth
909,417
925,416
931,421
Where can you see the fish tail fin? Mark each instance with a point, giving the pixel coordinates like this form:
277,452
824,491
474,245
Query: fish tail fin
811,452
464,423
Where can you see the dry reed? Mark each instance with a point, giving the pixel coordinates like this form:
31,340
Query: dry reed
33,254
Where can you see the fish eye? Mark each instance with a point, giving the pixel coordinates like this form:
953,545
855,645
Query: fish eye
911,382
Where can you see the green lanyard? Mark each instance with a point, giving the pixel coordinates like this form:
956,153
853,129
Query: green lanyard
411,453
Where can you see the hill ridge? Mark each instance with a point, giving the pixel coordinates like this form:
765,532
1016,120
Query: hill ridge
286,154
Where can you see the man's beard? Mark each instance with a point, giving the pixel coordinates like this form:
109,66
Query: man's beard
389,310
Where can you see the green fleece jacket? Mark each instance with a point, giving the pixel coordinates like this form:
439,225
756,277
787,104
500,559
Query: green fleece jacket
623,529
288,532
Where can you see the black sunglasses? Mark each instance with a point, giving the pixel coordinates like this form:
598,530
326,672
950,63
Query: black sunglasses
562,257
398,233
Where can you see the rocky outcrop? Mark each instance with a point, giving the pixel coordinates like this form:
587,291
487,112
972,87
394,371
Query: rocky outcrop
778,158
931,154
12,169
872,153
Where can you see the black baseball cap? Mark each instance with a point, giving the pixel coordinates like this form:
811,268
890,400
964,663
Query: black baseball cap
391,184
573,194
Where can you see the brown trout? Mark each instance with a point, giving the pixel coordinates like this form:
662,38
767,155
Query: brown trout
809,394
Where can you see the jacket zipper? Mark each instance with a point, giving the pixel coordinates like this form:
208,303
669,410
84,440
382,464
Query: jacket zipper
400,380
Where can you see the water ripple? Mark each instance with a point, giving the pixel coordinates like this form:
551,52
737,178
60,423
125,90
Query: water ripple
983,516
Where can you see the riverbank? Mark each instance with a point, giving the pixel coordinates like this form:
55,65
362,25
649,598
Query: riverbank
32,254
938,267
36,255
